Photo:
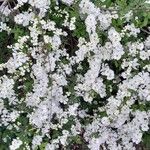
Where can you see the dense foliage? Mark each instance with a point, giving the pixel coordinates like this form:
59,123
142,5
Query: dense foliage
74,74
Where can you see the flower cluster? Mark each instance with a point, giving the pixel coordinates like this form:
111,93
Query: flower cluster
76,76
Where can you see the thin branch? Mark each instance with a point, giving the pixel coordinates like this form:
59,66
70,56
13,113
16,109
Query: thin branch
2,7
117,9
145,31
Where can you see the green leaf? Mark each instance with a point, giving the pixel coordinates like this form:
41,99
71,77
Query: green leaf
108,3
122,3
146,140
43,145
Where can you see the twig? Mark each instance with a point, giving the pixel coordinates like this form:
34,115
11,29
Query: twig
2,7
145,31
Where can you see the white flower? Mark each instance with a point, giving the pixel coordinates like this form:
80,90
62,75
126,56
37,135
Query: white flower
24,18
72,24
144,55
22,1
16,143
14,115
107,72
44,4
90,23
114,36
55,42
36,141
105,121
68,2
148,1
73,109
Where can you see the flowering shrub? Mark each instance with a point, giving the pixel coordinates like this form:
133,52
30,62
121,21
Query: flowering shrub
74,74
